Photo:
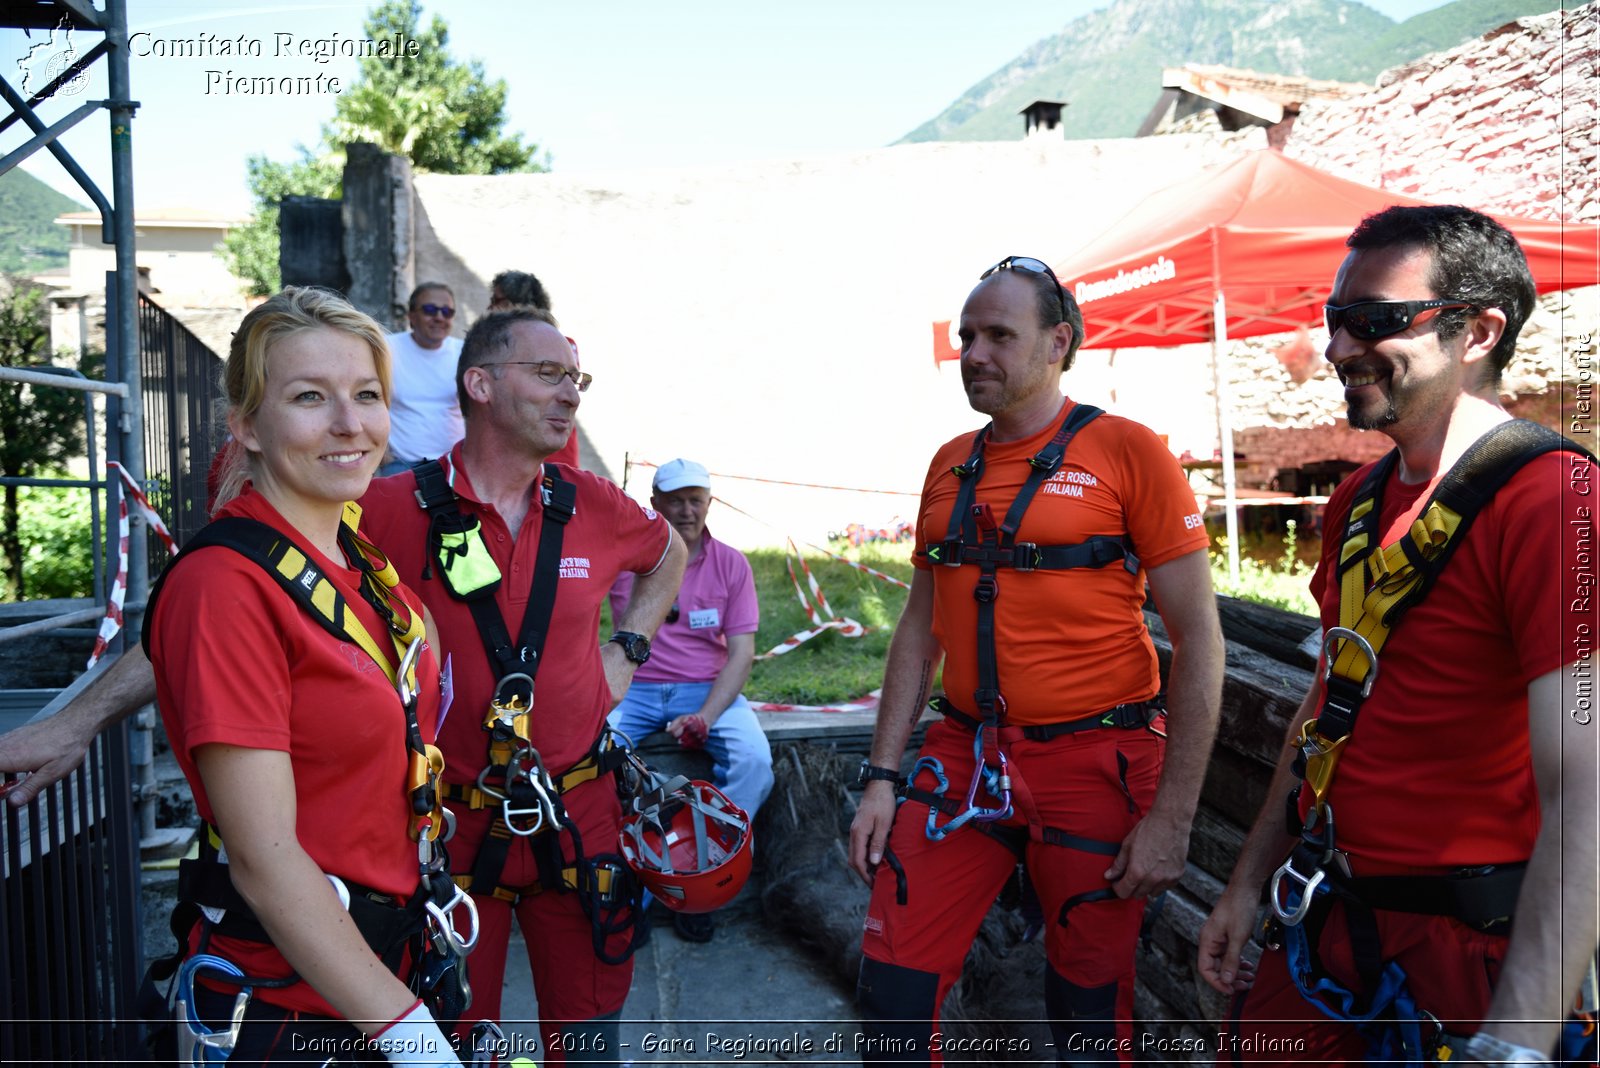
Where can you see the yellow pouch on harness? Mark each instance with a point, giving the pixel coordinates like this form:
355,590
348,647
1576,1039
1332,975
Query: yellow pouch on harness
463,558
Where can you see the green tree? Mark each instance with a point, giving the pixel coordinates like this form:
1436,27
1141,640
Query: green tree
40,427
446,116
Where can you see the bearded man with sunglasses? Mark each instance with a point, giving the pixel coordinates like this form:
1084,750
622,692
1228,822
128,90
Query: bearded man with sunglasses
1036,538
424,415
1454,895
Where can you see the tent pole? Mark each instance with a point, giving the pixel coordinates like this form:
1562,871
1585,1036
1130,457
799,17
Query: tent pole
1230,499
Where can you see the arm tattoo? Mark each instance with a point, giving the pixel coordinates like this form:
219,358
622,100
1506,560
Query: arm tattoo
924,682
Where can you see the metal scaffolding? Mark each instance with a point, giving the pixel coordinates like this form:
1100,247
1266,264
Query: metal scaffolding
69,912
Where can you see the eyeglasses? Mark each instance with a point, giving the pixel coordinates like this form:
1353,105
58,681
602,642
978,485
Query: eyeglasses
443,311
1033,266
1372,319
551,372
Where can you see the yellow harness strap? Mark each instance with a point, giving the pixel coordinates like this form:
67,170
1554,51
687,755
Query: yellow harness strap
603,877
1377,585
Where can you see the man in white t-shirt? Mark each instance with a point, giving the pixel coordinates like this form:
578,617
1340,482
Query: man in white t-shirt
424,414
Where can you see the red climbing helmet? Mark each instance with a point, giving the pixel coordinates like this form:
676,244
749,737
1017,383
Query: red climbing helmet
689,845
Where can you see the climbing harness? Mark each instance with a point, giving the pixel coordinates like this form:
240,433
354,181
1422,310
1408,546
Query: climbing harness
1377,586
973,538
205,889
515,779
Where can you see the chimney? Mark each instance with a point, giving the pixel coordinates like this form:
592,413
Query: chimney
1042,118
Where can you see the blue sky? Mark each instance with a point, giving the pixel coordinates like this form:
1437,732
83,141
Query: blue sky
619,85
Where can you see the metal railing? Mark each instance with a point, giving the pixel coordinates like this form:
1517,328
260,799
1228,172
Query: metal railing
182,384
69,918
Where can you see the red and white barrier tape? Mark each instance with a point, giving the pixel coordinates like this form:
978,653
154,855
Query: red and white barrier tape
846,626
862,567
869,703
811,545
146,509
112,623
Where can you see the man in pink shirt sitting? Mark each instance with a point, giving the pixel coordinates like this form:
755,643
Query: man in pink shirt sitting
700,659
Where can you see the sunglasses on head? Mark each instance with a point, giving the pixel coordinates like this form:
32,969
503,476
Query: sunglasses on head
443,311
1372,319
1032,266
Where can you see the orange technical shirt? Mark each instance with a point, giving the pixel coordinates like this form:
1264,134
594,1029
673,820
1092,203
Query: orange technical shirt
1071,643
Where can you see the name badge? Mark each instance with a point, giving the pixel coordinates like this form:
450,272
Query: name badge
704,619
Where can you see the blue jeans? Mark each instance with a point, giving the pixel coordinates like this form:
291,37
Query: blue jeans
741,759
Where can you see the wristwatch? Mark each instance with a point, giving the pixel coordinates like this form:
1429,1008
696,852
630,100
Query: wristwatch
1488,1049
870,771
636,647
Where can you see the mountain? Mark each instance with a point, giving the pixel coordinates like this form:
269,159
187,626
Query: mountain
1107,65
30,241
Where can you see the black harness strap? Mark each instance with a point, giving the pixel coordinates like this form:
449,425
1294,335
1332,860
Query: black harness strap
1057,837
974,538
1134,715
560,503
559,498
1088,897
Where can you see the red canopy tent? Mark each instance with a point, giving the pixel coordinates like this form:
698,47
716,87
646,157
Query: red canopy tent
1266,233
1251,247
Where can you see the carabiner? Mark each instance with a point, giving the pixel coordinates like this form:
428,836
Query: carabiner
1346,634
544,788
996,781
513,697
1290,916
442,931
403,674
197,1044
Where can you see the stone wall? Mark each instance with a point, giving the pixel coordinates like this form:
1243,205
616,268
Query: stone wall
1508,119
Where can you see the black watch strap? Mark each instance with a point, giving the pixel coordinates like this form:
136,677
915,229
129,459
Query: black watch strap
636,647
870,772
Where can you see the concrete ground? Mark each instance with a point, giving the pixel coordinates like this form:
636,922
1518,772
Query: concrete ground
748,996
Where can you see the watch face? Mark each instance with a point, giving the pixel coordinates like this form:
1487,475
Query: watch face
636,647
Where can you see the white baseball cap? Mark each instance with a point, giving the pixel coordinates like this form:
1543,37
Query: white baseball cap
676,474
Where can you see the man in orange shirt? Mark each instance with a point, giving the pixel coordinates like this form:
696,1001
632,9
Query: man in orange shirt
1036,538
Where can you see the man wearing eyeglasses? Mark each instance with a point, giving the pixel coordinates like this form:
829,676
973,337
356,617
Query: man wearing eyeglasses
520,387
1453,898
424,416
1036,538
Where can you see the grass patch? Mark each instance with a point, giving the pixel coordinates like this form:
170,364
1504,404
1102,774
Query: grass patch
1276,577
828,668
